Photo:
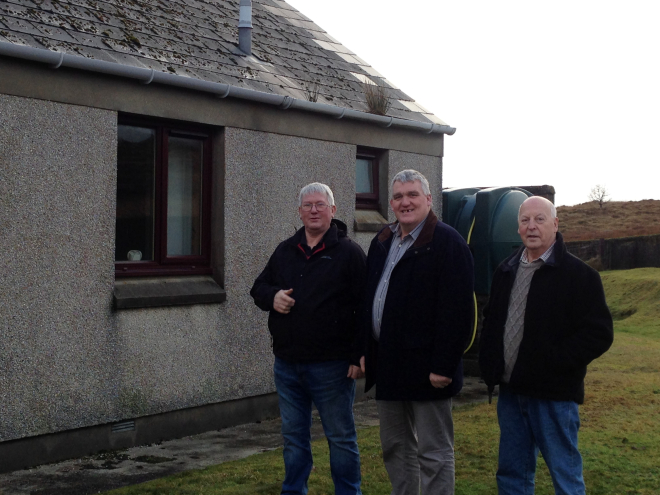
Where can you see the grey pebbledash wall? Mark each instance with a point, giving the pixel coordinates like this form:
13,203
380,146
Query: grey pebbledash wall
68,359
58,343
189,356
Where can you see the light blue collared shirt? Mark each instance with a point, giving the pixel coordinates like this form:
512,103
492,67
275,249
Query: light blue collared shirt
397,250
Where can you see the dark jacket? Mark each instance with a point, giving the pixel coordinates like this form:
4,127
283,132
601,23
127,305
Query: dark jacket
328,290
567,325
427,315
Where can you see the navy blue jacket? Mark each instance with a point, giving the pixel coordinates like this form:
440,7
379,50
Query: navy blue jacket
328,289
427,316
567,325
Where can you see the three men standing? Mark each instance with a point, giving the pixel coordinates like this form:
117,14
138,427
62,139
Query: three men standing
313,287
417,320
546,320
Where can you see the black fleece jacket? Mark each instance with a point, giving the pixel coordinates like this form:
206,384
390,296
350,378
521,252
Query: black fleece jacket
567,325
327,287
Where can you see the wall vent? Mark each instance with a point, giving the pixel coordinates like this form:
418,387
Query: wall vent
123,426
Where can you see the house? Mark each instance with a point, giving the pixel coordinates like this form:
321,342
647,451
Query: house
149,165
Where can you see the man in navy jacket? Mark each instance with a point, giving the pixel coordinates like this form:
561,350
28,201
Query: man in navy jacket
312,287
546,320
416,324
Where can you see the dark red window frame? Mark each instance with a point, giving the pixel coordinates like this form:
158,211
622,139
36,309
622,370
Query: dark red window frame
369,201
163,264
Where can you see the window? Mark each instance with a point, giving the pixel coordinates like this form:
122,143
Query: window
163,199
366,179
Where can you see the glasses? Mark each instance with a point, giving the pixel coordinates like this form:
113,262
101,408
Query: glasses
319,206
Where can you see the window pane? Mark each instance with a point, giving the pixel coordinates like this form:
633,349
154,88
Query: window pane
184,196
136,158
364,176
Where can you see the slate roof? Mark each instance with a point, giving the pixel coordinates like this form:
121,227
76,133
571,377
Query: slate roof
198,38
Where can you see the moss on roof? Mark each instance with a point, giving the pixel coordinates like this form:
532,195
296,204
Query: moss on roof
198,38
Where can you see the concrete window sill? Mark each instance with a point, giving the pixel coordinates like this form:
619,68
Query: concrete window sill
166,291
369,221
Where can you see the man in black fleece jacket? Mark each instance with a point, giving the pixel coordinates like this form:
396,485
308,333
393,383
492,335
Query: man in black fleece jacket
546,320
312,287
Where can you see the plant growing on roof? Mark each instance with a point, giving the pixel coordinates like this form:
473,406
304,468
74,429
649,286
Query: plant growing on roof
378,101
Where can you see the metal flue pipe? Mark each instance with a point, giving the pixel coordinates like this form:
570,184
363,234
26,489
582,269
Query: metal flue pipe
245,27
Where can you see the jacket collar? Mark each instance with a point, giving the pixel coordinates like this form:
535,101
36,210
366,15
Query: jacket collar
330,238
424,237
555,259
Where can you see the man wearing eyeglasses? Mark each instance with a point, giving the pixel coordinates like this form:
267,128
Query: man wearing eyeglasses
312,286
417,319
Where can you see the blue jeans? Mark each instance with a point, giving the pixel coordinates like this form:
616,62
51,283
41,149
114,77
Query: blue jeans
326,385
528,425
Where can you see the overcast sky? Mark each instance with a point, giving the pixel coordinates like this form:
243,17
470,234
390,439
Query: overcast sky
564,93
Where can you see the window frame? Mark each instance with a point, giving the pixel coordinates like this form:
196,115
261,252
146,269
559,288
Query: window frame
162,264
369,201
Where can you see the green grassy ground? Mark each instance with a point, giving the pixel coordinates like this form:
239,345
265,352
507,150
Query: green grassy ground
619,438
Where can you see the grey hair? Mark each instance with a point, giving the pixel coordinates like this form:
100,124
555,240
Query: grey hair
411,175
316,187
553,208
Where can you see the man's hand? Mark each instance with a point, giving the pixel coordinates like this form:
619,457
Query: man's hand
439,381
354,372
282,302
362,366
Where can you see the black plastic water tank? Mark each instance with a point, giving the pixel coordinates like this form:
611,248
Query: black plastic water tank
488,220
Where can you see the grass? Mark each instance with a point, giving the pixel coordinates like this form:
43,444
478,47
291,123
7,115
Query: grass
376,96
588,221
619,438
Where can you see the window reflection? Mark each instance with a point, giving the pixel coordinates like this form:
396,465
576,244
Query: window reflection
136,158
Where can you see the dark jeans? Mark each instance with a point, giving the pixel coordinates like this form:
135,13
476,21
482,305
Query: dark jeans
325,384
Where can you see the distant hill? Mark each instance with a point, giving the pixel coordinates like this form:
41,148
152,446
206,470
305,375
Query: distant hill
587,221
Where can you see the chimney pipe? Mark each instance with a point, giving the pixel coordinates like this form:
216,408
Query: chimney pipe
245,27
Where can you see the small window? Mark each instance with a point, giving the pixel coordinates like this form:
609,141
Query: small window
163,200
366,179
